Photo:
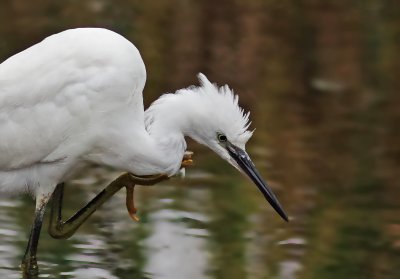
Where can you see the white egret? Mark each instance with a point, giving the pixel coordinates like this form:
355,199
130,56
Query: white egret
76,97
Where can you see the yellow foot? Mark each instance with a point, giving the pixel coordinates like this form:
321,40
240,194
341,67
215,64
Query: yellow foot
130,205
187,159
141,180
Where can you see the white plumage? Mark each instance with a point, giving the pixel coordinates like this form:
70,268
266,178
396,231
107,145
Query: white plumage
77,97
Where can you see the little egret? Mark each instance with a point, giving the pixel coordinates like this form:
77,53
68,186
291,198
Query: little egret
76,98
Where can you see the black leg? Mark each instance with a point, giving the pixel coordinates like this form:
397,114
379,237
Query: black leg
29,263
65,229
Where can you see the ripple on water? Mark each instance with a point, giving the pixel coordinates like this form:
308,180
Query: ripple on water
9,203
6,232
90,244
89,272
293,241
176,246
172,214
289,269
10,273
197,232
84,258
10,236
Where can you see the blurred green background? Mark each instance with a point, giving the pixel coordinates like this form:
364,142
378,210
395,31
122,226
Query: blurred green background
321,80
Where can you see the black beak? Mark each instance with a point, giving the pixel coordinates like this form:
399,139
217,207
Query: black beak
247,166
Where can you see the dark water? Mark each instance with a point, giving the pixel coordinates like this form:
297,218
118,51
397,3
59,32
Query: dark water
321,81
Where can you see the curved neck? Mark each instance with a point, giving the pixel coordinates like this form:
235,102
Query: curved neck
170,150
174,116
165,122
154,148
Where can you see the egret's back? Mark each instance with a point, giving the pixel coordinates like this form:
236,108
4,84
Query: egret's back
57,96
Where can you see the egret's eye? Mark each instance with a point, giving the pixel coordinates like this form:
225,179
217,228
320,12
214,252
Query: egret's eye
221,137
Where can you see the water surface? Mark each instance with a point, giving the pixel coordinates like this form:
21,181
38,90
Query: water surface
321,81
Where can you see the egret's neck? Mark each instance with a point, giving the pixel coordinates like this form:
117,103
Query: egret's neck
157,149
168,121
164,127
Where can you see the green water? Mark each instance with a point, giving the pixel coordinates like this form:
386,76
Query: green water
321,81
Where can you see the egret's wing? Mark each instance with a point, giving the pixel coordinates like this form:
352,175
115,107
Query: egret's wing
57,91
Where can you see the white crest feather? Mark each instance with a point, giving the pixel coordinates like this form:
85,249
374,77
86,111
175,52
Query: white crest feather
234,122
207,108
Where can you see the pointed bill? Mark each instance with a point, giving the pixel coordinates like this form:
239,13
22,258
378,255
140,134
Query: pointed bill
246,165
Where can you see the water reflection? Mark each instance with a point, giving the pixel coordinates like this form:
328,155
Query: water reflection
214,224
321,79
191,229
9,238
173,249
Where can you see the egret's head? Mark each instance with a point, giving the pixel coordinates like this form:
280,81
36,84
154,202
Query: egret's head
218,122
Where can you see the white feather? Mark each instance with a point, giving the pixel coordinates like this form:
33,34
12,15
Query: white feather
200,112
77,97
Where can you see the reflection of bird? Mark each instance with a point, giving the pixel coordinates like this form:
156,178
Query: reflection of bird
76,97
